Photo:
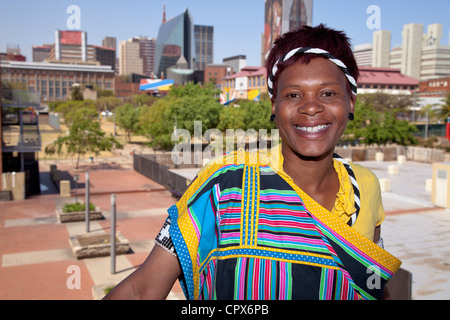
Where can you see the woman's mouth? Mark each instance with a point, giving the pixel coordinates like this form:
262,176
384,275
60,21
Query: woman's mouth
312,130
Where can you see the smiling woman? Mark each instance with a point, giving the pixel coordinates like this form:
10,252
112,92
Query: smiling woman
312,106
297,222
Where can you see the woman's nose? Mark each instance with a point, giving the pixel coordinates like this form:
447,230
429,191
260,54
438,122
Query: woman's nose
310,105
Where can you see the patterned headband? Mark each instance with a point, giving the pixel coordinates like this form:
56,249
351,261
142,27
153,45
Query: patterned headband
304,50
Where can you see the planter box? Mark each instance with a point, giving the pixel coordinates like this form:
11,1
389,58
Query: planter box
91,245
79,215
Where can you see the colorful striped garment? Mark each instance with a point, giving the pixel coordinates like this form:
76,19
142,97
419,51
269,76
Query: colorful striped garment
244,230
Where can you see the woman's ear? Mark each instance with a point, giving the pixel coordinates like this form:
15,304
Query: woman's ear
352,103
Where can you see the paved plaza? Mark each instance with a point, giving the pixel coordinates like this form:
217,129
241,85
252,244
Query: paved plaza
416,231
37,261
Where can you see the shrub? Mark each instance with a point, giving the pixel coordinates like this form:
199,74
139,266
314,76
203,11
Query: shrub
77,207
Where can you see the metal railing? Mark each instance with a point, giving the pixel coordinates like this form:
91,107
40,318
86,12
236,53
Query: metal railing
19,139
20,98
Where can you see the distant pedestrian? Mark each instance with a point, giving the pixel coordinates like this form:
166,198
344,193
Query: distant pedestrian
298,222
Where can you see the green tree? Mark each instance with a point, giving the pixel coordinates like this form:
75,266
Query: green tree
76,93
142,99
386,128
380,128
246,114
183,106
257,115
109,103
444,111
232,117
364,115
384,102
68,110
127,117
85,135
156,124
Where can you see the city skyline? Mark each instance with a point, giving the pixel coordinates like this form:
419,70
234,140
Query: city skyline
237,25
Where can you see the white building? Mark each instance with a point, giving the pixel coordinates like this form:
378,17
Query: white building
129,58
363,55
237,63
412,49
381,47
420,55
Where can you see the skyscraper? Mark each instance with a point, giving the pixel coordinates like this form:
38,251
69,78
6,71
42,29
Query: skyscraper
282,16
109,42
41,53
381,48
129,58
204,46
175,40
412,35
420,55
71,46
137,55
147,54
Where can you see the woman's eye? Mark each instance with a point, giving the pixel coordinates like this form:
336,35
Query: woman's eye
329,94
293,95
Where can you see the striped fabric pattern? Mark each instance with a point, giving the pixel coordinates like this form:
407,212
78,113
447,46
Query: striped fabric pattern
266,243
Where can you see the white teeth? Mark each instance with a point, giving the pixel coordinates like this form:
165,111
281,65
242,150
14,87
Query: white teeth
312,129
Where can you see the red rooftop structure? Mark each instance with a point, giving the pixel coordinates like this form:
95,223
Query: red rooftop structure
387,80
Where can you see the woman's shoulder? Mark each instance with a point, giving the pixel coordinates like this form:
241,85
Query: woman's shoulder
362,171
365,177
234,160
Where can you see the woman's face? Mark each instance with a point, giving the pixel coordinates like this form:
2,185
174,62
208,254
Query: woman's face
311,107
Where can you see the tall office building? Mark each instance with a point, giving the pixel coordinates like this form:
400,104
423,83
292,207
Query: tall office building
175,40
435,57
237,63
129,58
381,46
204,46
363,54
41,53
137,55
147,54
71,46
109,42
412,49
420,55
282,16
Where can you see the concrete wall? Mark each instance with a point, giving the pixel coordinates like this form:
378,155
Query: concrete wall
391,153
150,167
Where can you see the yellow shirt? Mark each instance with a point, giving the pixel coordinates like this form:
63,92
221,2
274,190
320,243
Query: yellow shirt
371,213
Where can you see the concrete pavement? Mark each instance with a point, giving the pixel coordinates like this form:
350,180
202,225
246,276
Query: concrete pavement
36,259
416,231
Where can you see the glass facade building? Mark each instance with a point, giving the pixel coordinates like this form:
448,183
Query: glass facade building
204,46
175,39
282,16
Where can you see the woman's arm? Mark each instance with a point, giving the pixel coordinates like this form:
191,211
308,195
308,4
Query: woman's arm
377,234
153,280
376,239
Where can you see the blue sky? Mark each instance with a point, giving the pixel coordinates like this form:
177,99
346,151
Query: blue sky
238,24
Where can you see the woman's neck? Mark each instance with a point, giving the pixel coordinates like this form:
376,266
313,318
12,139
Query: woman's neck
315,176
